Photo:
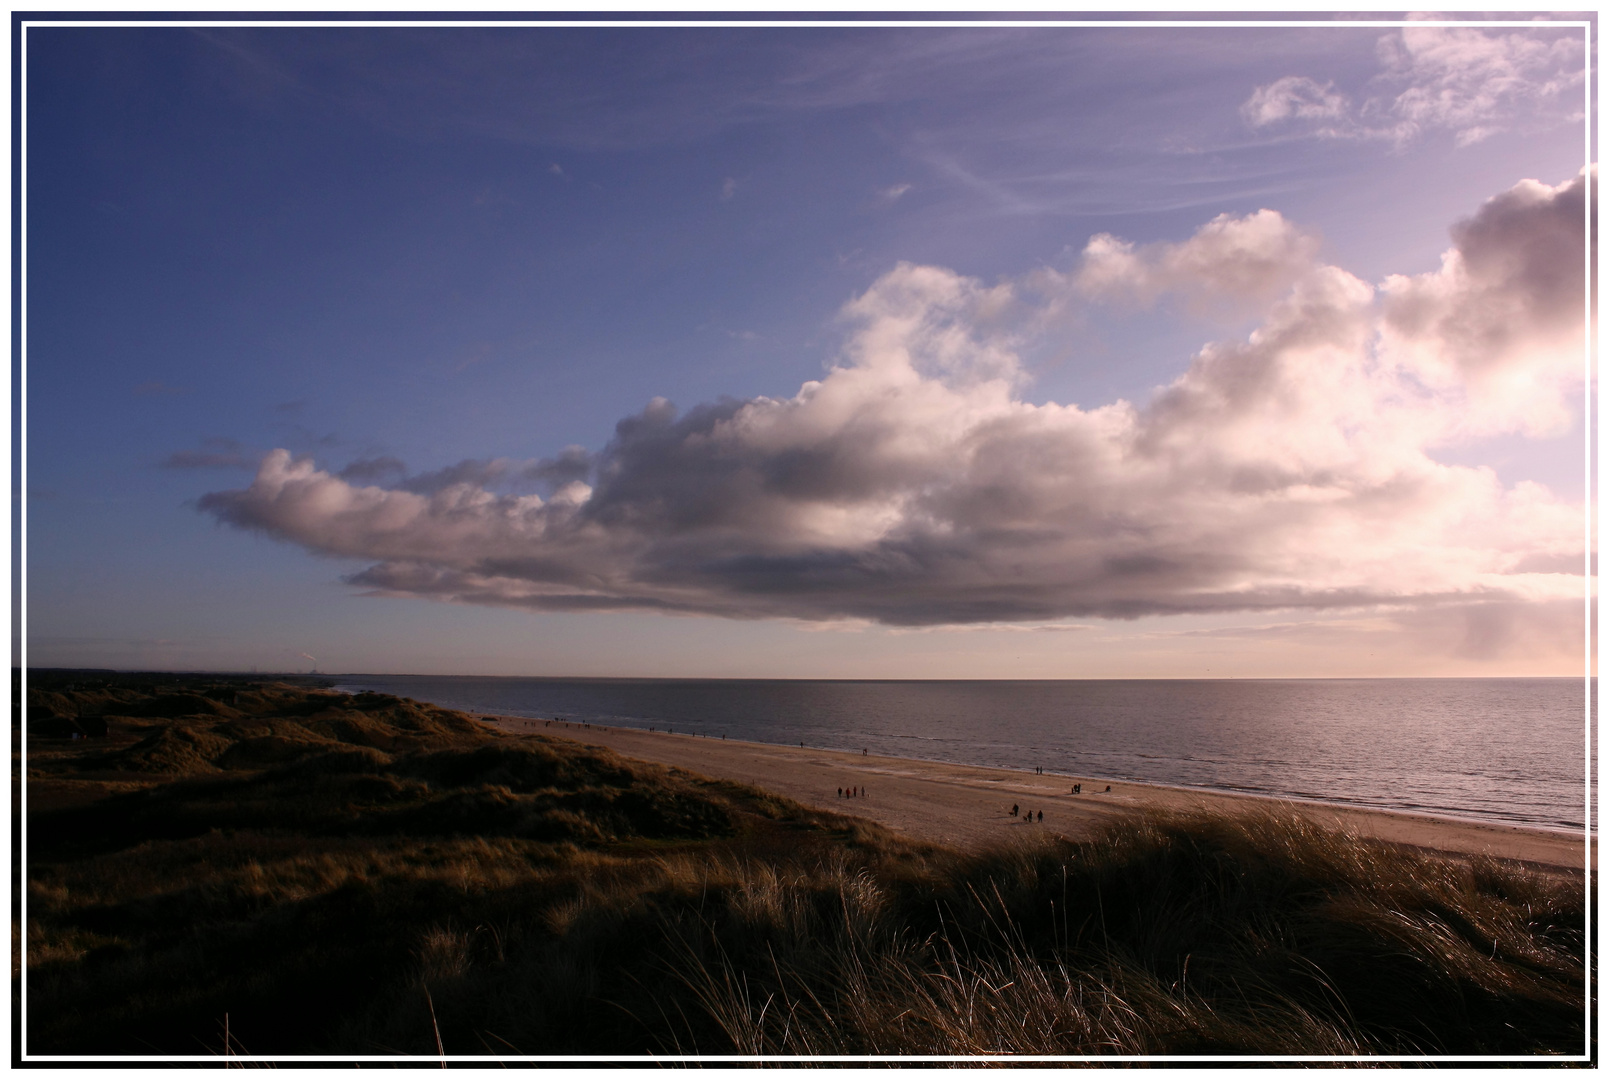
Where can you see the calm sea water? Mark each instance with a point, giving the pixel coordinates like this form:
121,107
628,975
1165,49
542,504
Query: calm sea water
1507,750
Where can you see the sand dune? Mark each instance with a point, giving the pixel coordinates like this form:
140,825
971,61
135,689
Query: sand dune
968,806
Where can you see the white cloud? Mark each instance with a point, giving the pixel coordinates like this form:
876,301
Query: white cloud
1472,83
913,486
1294,97
1250,259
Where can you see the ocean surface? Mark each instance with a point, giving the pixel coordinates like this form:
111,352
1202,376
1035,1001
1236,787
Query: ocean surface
1504,750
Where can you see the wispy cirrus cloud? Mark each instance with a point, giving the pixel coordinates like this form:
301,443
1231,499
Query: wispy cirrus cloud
1470,82
913,486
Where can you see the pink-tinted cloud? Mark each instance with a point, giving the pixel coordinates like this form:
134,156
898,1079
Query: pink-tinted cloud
1239,260
1503,321
913,485
1466,81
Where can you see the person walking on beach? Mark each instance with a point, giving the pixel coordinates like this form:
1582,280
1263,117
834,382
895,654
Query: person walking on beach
1041,815
840,793
1013,809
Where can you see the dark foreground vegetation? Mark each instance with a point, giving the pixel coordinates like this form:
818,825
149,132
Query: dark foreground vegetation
367,874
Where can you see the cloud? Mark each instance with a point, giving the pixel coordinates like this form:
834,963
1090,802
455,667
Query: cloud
728,188
1294,97
571,465
216,453
893,193
1230,259
1469,82
912,485
1502,321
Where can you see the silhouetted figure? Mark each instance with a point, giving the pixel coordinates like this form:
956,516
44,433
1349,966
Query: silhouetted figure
840,793
863,753
1108,787
1041,815
1013,809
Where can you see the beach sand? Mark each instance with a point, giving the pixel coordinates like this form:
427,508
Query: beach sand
969,806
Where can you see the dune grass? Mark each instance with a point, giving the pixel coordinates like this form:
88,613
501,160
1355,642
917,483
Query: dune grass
383,875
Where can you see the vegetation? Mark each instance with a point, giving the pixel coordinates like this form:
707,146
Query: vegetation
372,875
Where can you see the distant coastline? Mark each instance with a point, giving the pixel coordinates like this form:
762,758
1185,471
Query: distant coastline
1505,751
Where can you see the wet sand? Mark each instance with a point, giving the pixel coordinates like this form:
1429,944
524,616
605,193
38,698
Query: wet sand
970,806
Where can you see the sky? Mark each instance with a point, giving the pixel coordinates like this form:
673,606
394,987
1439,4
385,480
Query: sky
821,352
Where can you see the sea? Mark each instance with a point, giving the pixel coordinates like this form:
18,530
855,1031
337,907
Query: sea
1513,751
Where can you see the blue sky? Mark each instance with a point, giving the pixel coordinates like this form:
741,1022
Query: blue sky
435,268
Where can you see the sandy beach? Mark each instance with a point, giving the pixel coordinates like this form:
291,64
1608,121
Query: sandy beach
970,806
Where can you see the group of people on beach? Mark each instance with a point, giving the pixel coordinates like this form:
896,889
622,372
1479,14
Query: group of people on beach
851,793
1027,815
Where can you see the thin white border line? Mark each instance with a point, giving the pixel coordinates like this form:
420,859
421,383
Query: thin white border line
821,24
21,584
1002,1057
1589,179
15,442
1588,422
22,538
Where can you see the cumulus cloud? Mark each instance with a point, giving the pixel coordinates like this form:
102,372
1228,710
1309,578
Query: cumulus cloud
1503,320
569,465
1246,259
913,485
1472,83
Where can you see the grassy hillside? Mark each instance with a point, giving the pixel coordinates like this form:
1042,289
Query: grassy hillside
367,874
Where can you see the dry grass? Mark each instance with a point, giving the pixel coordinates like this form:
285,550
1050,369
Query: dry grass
382,876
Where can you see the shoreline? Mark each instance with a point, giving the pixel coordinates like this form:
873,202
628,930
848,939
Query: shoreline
969,806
